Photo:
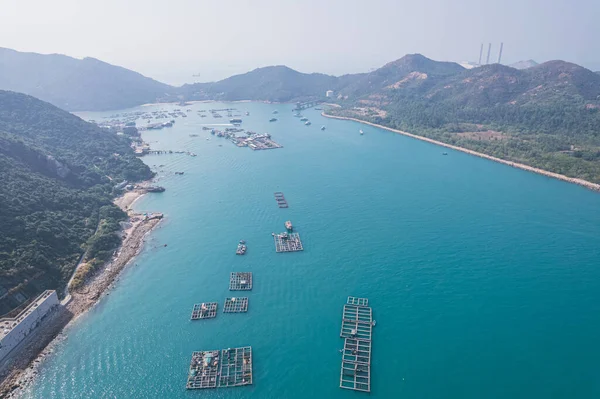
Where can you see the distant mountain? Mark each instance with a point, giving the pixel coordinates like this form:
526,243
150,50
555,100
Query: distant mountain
523,64
56,173
76,85
274,83
410,71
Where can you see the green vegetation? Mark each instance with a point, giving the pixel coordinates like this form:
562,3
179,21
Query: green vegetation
547,116
56,173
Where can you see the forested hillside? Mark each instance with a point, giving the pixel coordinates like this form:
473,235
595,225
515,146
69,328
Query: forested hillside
547,116
57,174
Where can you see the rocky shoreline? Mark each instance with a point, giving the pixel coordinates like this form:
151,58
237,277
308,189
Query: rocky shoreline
581,182
24,366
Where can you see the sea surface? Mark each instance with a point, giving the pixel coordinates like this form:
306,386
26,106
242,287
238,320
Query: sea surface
484,279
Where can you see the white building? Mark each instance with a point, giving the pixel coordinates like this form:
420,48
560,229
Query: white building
329,93
14,330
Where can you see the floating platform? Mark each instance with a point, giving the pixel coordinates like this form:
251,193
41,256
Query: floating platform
287,242
235,305
352,300
280,198
357,331
205,310
236,367
230,367
204,369
357,322
240,281
356,365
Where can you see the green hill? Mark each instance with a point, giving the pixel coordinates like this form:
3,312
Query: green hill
77,85
547,116
56,173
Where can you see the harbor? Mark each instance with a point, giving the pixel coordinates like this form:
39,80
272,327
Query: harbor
357,331
231,367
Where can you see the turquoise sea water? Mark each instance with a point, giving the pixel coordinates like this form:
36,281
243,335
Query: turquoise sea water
484,280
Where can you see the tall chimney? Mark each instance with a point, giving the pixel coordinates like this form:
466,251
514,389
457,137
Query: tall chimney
487,60
500,53
480,53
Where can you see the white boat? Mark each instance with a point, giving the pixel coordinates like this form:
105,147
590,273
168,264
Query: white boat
361,132
307,123
323,127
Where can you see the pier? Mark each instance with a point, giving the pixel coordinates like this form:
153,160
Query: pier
357,331
240,281
281,201
235,305
206,310
229,367
307,104
287,242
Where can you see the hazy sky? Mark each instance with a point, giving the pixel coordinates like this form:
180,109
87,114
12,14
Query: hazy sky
172,40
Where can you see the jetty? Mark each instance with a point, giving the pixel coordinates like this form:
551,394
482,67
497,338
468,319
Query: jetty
229,367
287,242
357,331
206,310
235,305
280,198
240,281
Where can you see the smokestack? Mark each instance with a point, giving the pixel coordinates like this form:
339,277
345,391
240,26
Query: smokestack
480,53
500,53
487,60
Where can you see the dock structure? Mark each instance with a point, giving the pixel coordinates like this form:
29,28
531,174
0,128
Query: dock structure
206,310
240,281
235,305
229,367
357,331
287,242
281,201
236,367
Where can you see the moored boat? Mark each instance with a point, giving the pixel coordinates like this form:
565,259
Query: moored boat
288,225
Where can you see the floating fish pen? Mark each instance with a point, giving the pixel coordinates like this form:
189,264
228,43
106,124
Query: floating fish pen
357,301
206,310
235,305
240,281
287,242
236,367
357,330
357,322
230,367
356,365
204,370
281,201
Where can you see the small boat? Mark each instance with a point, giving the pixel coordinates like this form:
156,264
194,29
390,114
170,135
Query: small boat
247,113
361,132
241,249
275,112
178,173
242,242
322,127
444,153
273,120
298,115
307,123
304,119
373,323
288,225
